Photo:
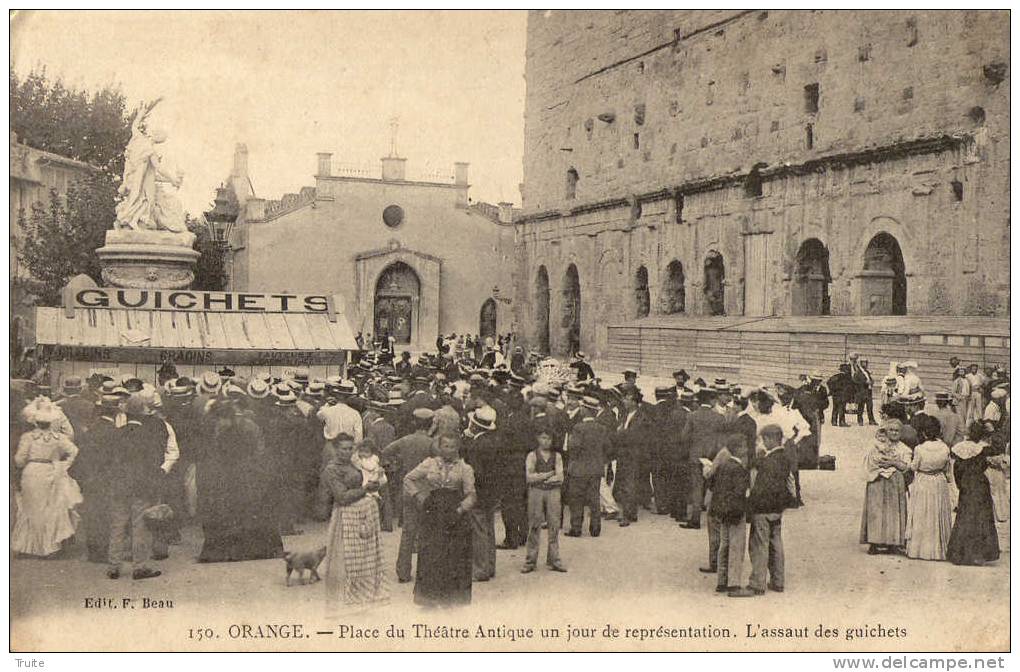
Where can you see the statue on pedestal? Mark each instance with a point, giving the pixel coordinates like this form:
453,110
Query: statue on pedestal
149,187
150,245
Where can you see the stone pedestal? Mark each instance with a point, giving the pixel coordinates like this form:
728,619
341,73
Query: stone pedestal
148,259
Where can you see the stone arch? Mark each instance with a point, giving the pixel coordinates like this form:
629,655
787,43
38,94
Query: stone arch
642,296
674,292
714,284
809,292
541,306
883,277
570,311
610,290
396,299
487,319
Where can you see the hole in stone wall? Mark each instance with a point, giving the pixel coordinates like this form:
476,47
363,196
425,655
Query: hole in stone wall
911,31
774,126
957,190
809,136
908,93
995,72
640,67
977,114
752,184
639,114
864,53
572,180
678,202
637,141
821,56
811,94
589,124
858,104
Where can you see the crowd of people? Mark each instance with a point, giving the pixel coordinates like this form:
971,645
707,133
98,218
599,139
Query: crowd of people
921,462
439,445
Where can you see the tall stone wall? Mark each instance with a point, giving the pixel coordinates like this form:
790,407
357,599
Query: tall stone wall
693,133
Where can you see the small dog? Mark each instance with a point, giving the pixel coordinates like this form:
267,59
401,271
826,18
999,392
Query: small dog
300,561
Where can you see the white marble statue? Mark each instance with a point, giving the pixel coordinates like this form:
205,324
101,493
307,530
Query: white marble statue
149,189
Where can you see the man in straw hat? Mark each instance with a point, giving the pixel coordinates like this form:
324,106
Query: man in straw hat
481,449
588,445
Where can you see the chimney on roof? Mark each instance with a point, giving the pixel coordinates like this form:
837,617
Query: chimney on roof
393,168
460,180
325,165
240,160
506,212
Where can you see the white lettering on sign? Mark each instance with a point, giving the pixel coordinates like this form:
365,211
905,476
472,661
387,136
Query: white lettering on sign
216,302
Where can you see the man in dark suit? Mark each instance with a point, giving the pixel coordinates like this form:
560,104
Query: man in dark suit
135,477
841,387
588,445
630,445
864,383
701,437
664,446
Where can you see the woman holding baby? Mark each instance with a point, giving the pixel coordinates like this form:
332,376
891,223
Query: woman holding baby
354,567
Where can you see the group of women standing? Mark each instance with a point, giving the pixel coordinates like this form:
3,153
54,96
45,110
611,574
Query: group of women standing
443,486
908,504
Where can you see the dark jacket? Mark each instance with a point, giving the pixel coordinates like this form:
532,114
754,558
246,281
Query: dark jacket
770,493
482,455
704,430
588,448
136,458
729,486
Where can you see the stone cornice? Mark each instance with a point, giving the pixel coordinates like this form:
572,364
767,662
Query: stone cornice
926,145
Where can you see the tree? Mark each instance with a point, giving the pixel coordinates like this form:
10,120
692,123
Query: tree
71,122
61,237
210,271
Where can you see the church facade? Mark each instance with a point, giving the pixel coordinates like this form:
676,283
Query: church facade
693,165
412,258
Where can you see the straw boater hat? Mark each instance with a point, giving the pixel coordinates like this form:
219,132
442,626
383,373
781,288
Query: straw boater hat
72,385
316,388
258,389
179,387
284,395
394,398
209,383
590,403
484,417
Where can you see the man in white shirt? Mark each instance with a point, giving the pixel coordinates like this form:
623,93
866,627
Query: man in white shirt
339,418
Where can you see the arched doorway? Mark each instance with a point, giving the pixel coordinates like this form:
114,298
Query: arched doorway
884,278
811,278
396,302
674,296
715,276
542,310
487,320
571,311
642,297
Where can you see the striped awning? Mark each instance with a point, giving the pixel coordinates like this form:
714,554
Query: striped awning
142,335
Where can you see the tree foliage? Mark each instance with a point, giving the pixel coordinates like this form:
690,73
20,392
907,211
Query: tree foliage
89,127
61,236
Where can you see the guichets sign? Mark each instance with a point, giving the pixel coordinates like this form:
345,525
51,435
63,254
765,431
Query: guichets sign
195,301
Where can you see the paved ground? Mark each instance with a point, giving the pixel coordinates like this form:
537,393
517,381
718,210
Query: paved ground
643,576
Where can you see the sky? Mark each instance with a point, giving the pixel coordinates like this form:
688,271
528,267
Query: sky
290,84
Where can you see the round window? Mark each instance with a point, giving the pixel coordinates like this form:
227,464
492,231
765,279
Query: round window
393,216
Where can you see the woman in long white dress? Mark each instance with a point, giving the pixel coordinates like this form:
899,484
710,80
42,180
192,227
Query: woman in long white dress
47,496
929,515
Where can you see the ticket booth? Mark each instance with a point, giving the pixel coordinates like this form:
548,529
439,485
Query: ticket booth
120,332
